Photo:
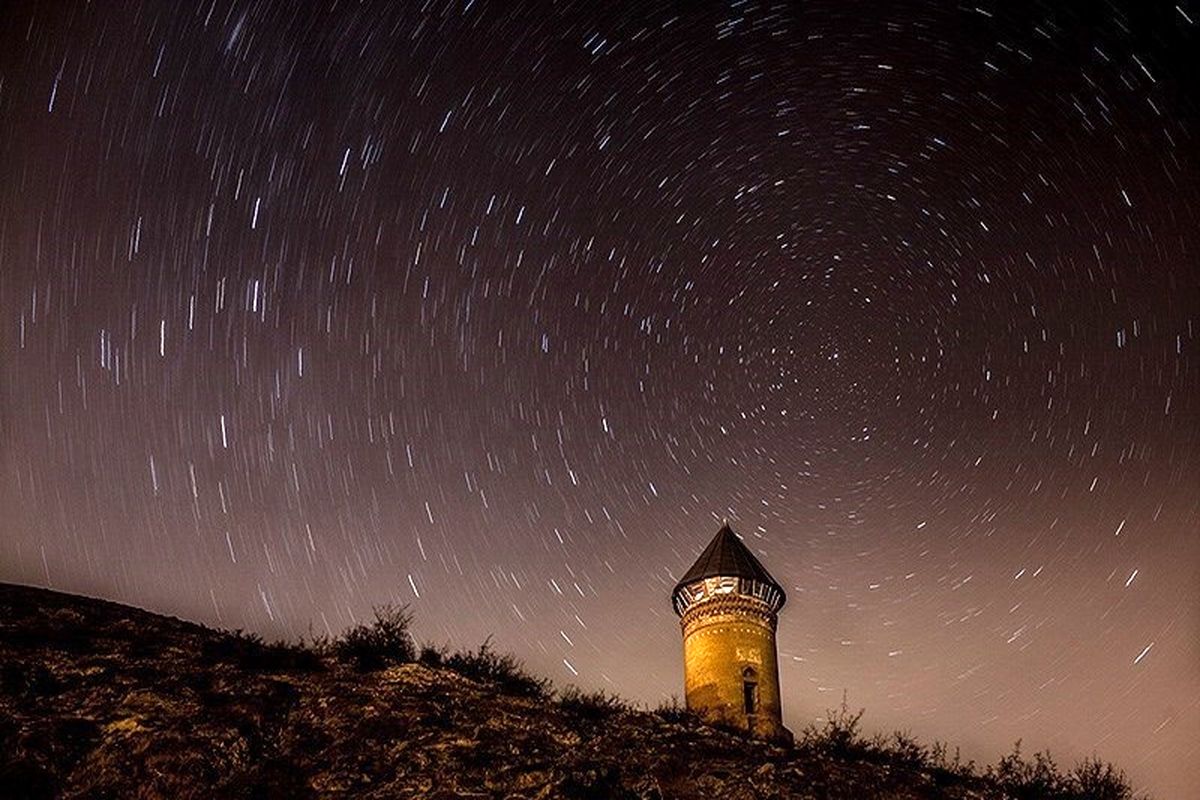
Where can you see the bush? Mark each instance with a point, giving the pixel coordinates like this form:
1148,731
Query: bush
839,736
384,642
940,761
1094,780
672,711
284,656
1028,780
1016,777
250,652
485,664
904,750
1040,779
432,656
591,706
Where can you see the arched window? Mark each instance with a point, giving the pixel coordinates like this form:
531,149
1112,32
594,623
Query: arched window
750,690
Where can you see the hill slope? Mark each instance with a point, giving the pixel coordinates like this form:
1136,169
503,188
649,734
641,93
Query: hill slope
103,700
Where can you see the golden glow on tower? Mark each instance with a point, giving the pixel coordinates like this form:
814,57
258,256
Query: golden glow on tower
728,605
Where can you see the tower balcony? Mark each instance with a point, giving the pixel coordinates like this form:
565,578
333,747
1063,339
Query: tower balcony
723,587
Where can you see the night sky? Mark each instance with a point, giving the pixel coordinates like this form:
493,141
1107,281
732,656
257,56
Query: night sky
500,310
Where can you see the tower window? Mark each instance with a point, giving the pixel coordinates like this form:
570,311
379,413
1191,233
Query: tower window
750,690
750,696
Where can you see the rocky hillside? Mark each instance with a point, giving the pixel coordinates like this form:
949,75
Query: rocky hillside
103,700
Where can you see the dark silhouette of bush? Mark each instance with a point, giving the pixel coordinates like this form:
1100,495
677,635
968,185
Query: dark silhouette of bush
505,671
384,642
940,759
1040,779
591,706
672,711
1095,780
902,749
432,656
250,652
284,656
946,771
839,736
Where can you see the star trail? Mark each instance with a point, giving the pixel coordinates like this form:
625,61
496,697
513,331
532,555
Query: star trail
499,309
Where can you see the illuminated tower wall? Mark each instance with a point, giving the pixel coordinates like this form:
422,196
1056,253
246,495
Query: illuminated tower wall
728,605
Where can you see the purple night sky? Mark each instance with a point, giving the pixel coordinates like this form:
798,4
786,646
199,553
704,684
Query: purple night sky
498,309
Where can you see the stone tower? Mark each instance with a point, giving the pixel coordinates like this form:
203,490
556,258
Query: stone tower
727,603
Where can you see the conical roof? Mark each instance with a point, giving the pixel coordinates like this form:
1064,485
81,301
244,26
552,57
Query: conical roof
726,556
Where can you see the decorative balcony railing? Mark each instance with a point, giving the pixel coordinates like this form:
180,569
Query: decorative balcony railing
711,588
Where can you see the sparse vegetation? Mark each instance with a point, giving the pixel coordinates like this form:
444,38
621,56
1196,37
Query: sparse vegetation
432,656
674,711
1097,780
504,670
592,706
384,642
250,652
1026,780
903,750
1038,778
839,736
209,712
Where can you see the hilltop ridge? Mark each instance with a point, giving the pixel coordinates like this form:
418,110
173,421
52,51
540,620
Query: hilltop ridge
99,699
